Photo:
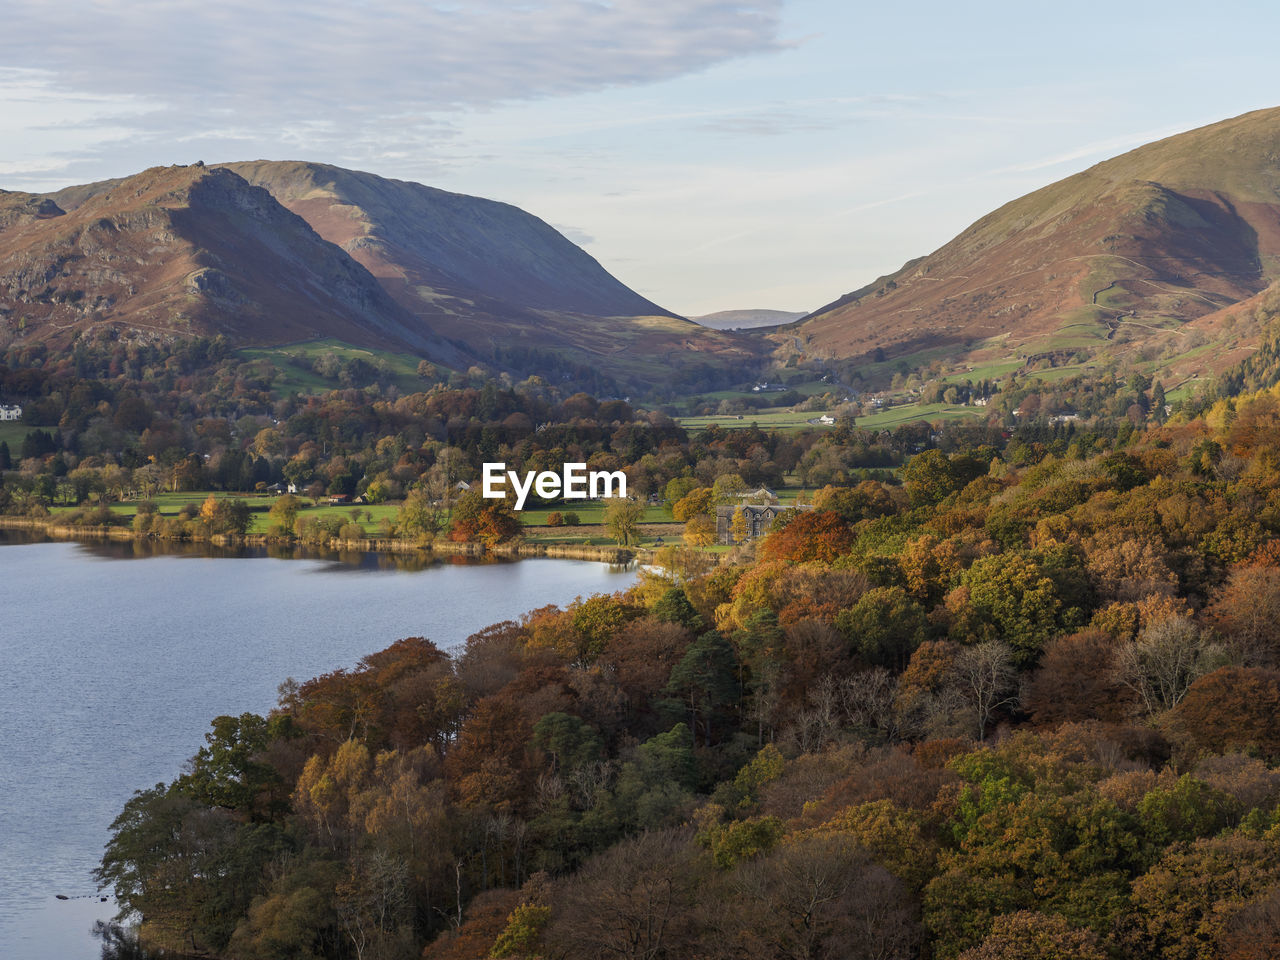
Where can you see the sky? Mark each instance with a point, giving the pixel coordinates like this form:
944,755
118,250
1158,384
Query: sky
711,154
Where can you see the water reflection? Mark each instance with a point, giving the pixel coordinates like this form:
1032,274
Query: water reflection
121,943
336,560
114,670
352,559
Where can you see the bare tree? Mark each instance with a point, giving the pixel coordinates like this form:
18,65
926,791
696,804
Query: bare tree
987,680
589,782
819,897
863,699
1166,658
372,902
867,698
631,902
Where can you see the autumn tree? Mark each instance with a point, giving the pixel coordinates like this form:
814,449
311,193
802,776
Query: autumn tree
622,518
1030,935
866,501
932,476
597,620
1185,810
1253,933
1247,613
223,516
1021,599
811,535
634,902
477,518
283,514
821,896
419,516
641,657
1234,708
1076,680
1183,905
698,501
700,530
1027,844
884,626
485,919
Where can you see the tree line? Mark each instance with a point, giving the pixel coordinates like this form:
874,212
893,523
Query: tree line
1022,703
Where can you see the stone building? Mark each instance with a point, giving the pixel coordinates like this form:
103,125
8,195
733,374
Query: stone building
760,518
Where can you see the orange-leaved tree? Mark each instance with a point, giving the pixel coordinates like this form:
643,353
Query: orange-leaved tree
813,535
489,521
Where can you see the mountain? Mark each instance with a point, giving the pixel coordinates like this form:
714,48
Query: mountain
746,319
176,251
411,235
1126,252
498,282
271,252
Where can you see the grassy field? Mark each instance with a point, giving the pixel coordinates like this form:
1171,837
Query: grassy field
588,511
987,370
169,504
13,432
809,388
787,420
896,416
590,514
294,363
1054,374
590,530
774,419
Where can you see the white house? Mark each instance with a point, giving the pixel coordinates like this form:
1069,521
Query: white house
10,411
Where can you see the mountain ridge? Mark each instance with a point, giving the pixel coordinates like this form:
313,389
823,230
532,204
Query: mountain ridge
180,250
378,262
1162,235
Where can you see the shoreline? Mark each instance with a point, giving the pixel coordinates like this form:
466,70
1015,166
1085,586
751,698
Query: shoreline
515,550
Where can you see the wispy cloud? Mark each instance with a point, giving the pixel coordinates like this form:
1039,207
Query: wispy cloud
323,57
338,74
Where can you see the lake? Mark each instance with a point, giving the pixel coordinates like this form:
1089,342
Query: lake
117,656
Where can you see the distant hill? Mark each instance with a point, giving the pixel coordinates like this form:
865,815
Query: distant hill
1126,252
495,280
746,319
270,252
176,251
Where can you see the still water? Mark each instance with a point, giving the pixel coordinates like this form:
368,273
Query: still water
113,662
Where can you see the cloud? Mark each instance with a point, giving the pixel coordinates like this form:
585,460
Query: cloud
320,59
356,80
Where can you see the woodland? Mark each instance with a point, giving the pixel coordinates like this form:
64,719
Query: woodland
1007,691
